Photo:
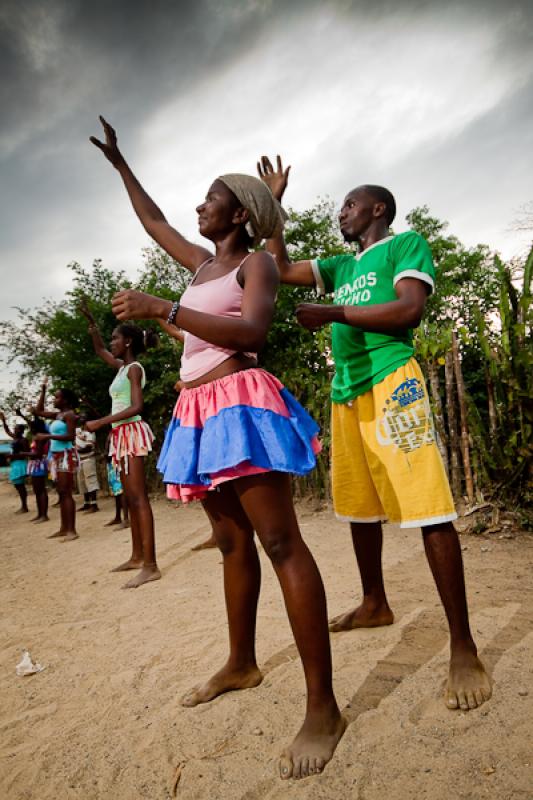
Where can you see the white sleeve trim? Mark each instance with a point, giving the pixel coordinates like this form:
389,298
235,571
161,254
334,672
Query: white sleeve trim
320,287
414,273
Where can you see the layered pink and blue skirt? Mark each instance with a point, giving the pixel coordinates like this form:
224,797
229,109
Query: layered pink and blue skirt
243,424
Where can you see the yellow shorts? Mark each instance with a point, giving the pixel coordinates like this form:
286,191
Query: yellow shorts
385,460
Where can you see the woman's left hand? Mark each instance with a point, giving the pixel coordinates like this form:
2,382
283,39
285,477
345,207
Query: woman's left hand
130,304
93,425
312,315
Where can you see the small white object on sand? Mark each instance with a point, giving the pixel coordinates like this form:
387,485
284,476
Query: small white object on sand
26,665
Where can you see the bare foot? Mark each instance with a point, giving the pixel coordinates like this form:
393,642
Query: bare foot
56,535
41,519
362,617
112,522
34,519
92,510
69,537
205,545
84,507
146,575
131,564
22,511
468,684
313,746
125,524
225,680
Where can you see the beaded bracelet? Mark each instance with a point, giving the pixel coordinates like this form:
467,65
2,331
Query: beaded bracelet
171,319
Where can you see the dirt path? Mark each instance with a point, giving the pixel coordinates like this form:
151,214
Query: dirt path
103,720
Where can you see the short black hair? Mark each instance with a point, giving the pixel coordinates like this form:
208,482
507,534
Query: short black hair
382,195
37,425
69,396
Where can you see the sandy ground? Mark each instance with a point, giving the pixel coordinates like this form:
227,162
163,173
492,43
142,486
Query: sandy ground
103,719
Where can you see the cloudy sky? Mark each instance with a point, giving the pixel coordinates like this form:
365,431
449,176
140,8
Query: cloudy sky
434,100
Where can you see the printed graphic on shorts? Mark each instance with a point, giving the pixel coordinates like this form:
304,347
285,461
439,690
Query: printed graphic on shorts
357,292
406,419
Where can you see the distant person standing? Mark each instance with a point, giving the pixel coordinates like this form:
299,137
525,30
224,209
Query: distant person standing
87,476
63,458
38,468
17,471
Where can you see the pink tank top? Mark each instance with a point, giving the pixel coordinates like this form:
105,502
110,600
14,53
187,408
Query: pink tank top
222,297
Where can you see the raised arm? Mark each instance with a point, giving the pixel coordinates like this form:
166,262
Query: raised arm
246,333
6,428
98,343
19,413
297,273
150,215
39,409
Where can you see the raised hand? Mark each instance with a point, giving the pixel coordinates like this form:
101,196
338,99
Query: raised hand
85,310
130,304
276,179
110,148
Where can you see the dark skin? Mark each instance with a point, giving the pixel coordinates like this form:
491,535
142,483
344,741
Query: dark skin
22,446
262,502
133,481
363,221
38,481
65,480
176,333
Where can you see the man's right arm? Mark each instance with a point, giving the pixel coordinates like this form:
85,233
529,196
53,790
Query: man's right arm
297,273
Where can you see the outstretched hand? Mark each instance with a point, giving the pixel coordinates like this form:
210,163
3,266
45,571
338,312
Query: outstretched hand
130,304
276,179
313,315
110,148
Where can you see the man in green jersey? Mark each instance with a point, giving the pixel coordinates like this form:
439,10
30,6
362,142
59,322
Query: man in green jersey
385,460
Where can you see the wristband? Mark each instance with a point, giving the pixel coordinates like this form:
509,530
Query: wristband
171,319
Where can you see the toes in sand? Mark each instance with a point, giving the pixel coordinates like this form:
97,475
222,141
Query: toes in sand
56,535
362,617
226,680
313,746
69,537
468,685
146,575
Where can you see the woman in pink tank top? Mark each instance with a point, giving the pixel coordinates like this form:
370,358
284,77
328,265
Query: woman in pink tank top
237,434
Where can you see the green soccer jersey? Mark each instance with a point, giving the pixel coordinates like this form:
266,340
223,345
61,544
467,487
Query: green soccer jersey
363,358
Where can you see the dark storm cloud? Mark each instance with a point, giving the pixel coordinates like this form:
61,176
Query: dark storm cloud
165,72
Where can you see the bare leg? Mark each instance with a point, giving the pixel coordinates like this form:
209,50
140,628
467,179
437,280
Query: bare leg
23,495
468,683
41,498
267,501
374,611
65,481
207,543
142,526
242,580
